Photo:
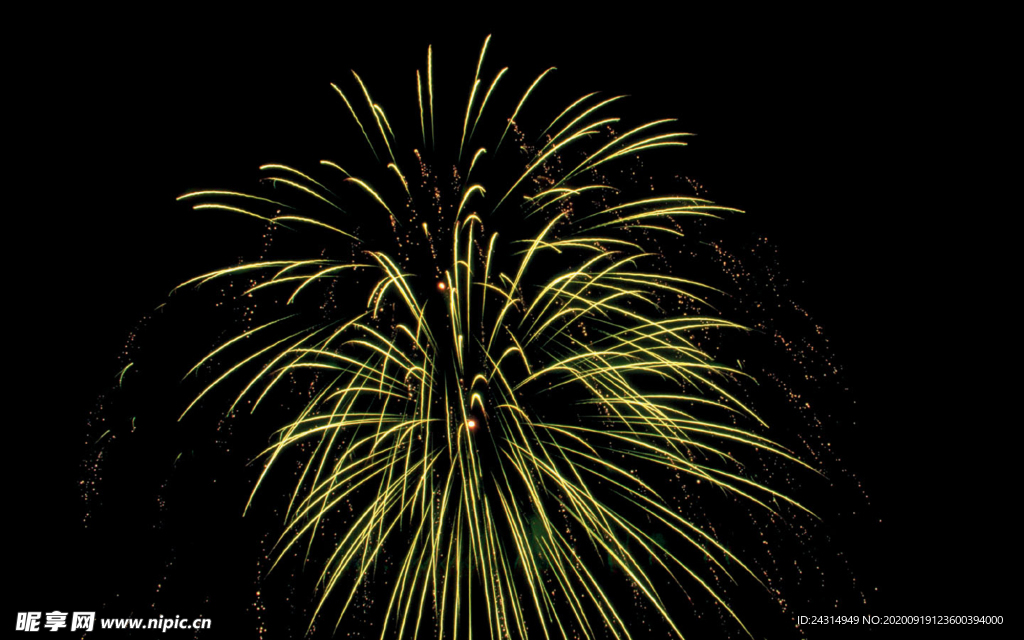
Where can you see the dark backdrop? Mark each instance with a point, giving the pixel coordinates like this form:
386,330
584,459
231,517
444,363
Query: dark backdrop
850,145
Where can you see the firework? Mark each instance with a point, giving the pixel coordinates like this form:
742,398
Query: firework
507,397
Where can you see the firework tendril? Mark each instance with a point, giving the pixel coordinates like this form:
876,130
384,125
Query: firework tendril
510,376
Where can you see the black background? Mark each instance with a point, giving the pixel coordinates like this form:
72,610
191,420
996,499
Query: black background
852,141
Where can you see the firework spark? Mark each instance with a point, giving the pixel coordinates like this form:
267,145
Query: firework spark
505,386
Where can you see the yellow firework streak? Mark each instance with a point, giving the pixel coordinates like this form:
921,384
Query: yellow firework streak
505,383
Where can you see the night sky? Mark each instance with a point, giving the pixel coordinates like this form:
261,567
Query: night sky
839,144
